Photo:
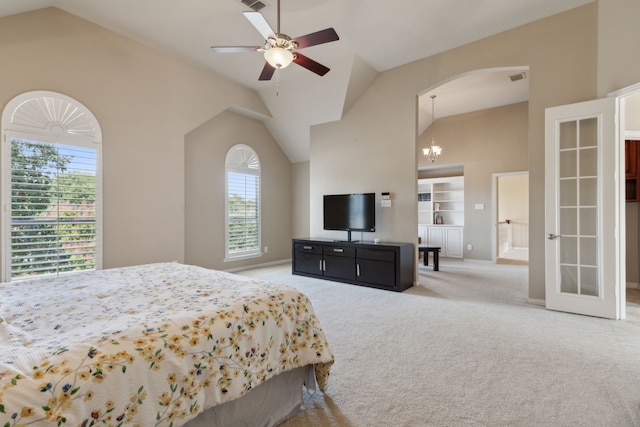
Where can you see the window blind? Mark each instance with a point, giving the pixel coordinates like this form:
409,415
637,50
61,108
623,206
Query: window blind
243,213
53,208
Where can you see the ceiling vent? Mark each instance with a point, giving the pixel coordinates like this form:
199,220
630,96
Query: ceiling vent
519,76
253,4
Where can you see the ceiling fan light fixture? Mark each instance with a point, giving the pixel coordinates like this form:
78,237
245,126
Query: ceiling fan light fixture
278,57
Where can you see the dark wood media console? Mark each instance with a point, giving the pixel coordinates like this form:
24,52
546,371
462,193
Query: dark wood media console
385,265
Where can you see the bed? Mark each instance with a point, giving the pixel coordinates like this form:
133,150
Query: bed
159,344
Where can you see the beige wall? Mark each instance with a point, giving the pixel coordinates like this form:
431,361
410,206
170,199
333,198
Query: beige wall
464,140
560,52
618,41
146,102
205,151
300,199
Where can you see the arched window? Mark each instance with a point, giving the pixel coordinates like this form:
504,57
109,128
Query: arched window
51,187
242,219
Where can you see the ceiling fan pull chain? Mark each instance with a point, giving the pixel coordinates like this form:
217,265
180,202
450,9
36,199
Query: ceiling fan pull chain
277,84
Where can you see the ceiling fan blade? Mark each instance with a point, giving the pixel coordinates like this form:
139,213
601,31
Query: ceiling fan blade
234,49
319,37
267,72
310,64
260,23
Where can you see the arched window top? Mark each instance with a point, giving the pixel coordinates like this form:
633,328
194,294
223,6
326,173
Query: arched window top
242,157
52,114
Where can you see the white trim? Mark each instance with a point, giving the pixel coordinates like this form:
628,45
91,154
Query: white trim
632,134
625,91
254,266
49,117
244,255
514,68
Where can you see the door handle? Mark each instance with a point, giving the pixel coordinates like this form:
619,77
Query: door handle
552,236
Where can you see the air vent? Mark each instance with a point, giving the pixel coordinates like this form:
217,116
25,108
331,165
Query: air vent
519,76
253,4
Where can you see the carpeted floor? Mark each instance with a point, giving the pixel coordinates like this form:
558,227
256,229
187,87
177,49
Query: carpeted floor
465,348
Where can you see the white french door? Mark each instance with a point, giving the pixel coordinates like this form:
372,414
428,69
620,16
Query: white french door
582,196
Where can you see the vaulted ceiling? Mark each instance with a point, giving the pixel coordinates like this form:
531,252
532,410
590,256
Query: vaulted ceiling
375,36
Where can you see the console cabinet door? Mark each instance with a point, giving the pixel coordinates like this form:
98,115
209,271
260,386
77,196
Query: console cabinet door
453,239
376,267
448,239
436,236
381,273
339,267
308,259
339,262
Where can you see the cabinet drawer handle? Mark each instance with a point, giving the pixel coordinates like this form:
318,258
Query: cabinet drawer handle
338,250
307,247
358,270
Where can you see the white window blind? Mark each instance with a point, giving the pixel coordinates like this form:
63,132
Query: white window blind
242,203
53,208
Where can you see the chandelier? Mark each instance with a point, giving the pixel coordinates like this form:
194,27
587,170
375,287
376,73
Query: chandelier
432,152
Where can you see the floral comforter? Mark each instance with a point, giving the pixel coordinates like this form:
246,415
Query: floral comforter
147,345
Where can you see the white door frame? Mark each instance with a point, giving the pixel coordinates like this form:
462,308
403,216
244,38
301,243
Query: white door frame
623,134
494,209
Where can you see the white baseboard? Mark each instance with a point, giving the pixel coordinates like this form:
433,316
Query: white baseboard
537,301
265,264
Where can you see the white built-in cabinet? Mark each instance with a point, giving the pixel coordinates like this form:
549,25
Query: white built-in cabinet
441,214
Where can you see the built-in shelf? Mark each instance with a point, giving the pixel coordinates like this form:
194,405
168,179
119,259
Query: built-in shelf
441,201
441,214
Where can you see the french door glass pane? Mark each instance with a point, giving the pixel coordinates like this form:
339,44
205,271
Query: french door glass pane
578,204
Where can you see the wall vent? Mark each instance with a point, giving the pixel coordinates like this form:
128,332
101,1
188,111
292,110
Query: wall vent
519,76
253,4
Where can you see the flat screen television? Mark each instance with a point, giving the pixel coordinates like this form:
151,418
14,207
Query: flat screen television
350,212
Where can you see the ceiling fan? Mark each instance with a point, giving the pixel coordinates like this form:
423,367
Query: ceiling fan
279,49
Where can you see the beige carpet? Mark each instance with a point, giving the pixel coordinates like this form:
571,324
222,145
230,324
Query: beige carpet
465,348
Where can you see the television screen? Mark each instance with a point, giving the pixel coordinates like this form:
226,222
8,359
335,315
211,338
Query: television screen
352,212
